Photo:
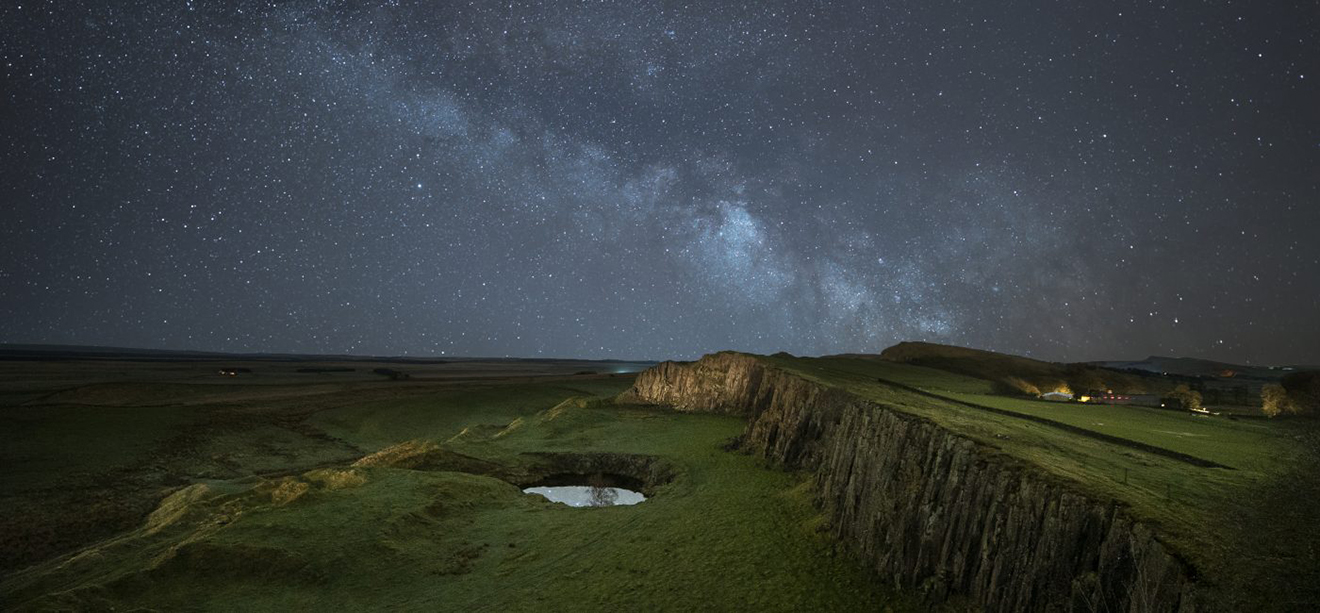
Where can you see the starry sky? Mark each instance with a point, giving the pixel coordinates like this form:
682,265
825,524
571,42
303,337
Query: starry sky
652,180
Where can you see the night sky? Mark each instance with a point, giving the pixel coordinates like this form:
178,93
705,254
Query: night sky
1071,181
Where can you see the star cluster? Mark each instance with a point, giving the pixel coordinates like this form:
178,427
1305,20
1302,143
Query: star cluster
642,179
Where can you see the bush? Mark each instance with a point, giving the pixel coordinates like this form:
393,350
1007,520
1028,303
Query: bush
1274,401
1303,390
1184,397
394,375
1017,385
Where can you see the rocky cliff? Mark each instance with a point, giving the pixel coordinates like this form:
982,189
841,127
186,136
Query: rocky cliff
932,510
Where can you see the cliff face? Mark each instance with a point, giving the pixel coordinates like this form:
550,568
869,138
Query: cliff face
932,510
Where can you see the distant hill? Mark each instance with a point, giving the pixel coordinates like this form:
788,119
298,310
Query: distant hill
1195,367
1022,375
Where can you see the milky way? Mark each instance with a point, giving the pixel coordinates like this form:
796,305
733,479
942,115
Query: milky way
652,180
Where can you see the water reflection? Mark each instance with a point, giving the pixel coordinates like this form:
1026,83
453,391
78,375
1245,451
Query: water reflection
587,495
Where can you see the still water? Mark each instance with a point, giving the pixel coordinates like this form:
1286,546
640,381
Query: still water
587,496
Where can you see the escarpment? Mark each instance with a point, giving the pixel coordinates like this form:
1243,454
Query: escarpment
932,510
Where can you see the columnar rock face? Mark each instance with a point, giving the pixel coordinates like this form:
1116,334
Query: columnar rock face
932,510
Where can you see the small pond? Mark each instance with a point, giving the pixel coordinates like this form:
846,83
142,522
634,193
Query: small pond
587,495
598,489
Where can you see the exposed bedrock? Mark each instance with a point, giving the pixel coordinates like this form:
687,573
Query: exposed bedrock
934,511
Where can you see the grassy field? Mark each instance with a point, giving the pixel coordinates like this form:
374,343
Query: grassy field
1011,372
165,486
1188,502
1240,444
244,496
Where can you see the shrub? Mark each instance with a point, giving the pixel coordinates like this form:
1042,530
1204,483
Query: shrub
1185,397
1303,390
1017,385
1274,401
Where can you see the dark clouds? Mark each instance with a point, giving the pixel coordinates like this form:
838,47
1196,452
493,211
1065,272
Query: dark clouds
656,180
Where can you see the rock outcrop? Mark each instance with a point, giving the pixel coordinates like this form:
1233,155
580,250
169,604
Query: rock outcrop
932,510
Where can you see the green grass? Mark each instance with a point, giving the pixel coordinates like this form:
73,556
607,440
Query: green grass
1184,500
269,532
862,368
726,534
439,415
1013,371
78,473
1241,444
72,442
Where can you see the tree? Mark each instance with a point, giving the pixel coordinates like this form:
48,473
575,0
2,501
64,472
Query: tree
1186,399
1303,390
1018,386
1274,401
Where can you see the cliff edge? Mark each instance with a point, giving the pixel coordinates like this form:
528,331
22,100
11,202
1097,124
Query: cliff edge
931,510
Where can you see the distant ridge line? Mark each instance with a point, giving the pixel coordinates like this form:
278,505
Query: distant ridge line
55,353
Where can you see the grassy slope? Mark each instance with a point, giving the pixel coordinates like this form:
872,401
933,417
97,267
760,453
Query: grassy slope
1244,445
727,534
1184,499
999,367
89,448
439,415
